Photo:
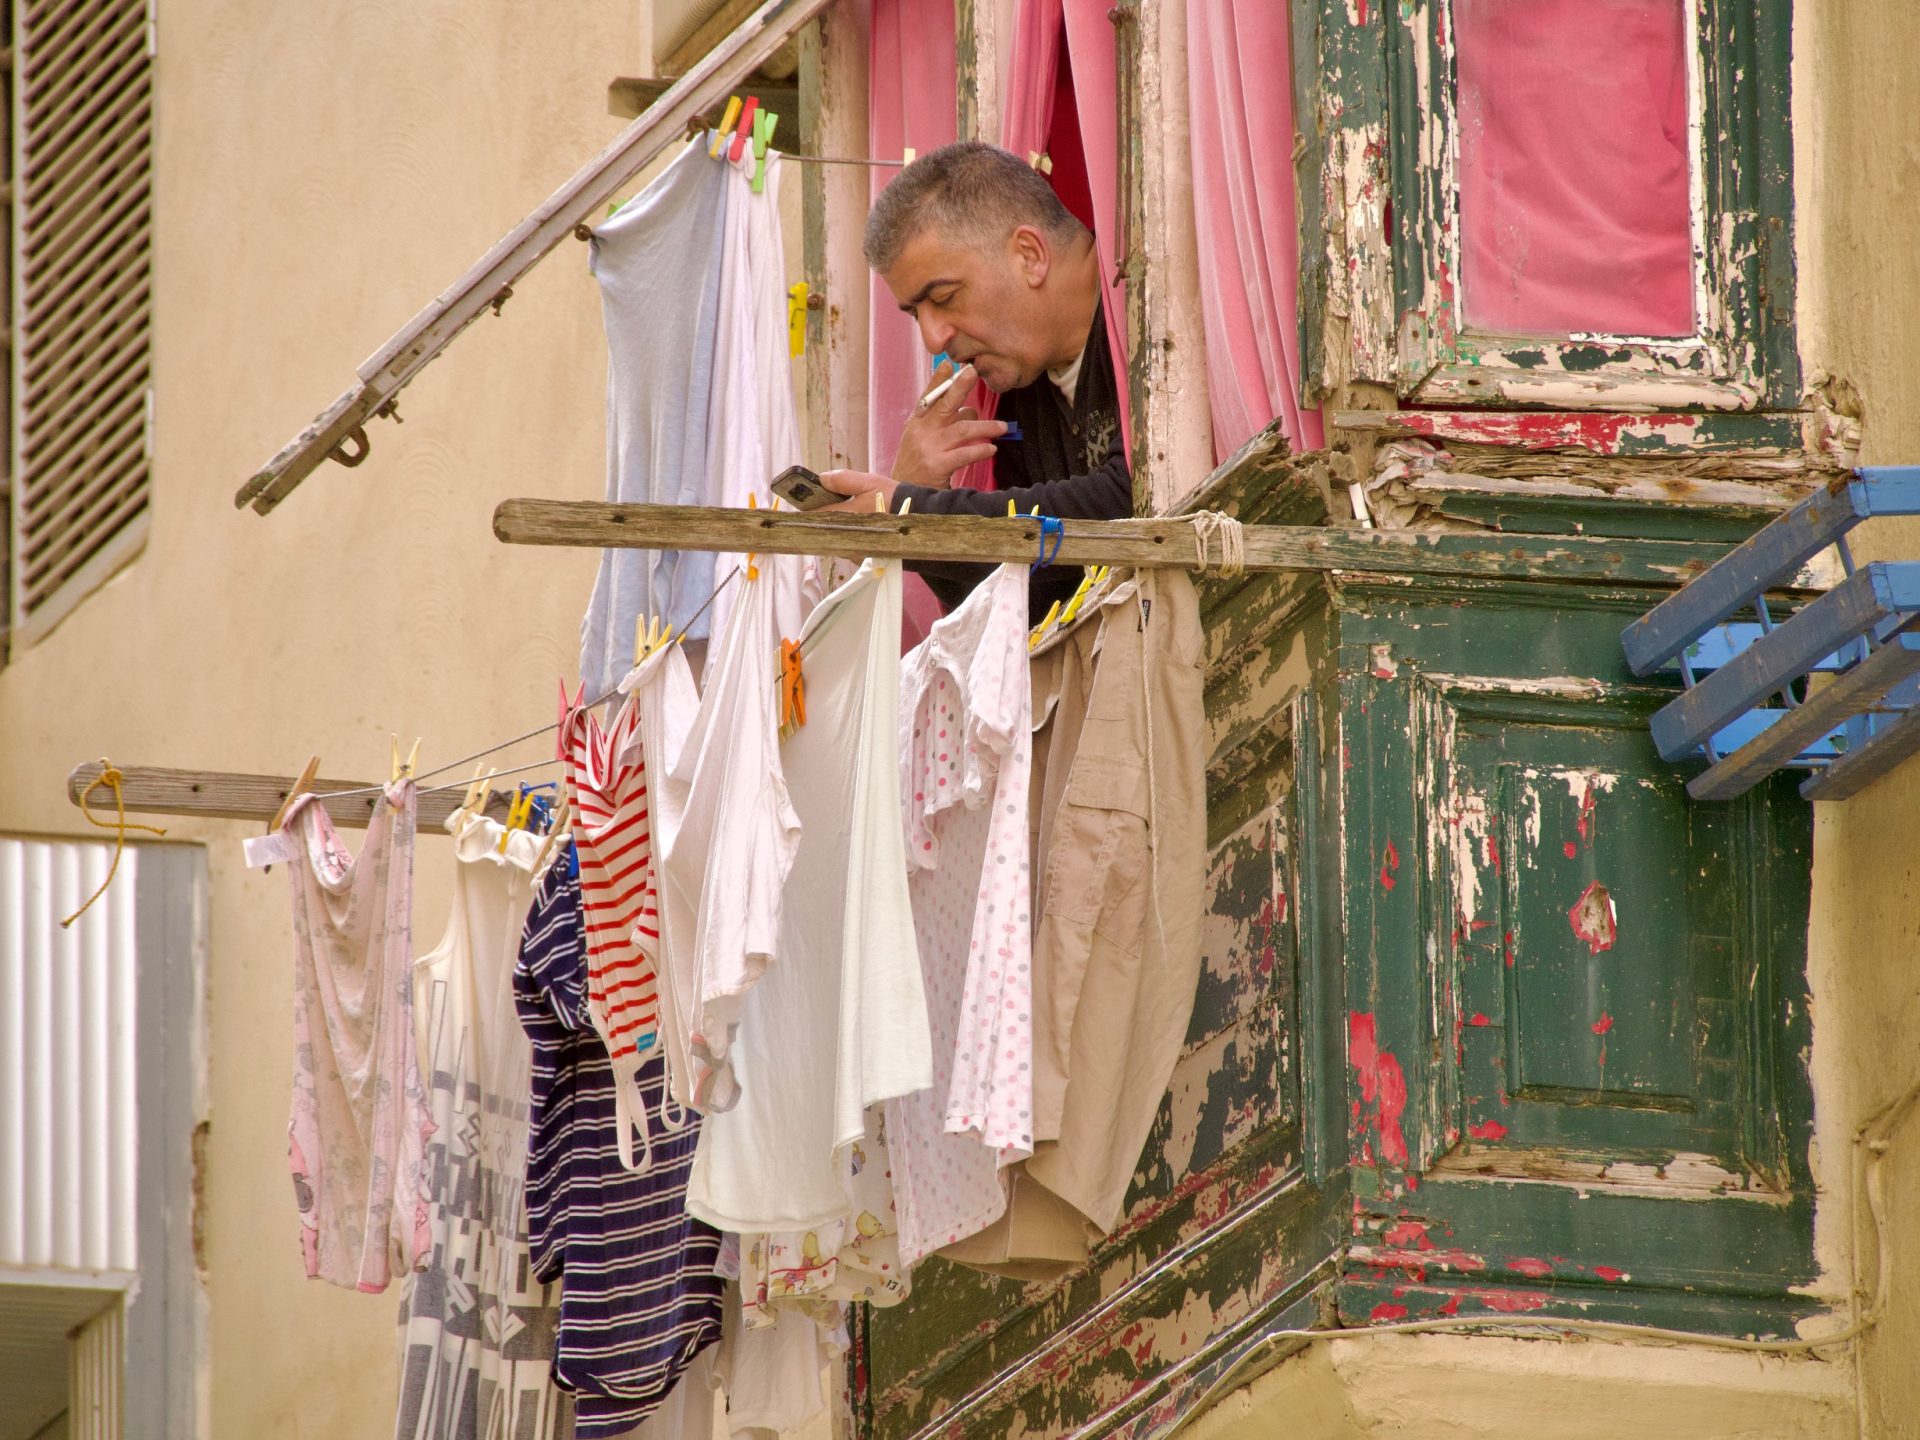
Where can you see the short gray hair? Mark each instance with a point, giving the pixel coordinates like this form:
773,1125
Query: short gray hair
971,191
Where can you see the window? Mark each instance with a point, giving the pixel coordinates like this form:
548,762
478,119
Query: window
81,105
1590,201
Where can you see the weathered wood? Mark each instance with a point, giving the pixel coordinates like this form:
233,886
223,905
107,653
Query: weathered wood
223,795
1151,544
490,280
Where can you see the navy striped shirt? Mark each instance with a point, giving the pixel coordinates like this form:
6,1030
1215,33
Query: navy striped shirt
639,1298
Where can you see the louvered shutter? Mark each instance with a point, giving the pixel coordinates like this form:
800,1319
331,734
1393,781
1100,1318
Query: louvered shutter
82,117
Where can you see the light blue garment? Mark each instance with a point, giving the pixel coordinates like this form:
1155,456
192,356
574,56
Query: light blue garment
658,264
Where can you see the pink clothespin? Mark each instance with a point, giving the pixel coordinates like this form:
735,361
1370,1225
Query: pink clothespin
567,707
743,136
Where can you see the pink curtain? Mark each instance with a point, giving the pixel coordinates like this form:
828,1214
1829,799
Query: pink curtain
1240,105
913,99
1574,166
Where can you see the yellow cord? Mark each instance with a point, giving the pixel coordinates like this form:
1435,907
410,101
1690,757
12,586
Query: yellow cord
111,778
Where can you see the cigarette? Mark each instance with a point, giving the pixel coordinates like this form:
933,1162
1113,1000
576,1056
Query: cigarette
926,401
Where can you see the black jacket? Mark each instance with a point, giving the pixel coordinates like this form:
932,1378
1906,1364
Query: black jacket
1070,461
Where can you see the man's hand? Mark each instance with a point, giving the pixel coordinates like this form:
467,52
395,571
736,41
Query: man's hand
861,486
945,435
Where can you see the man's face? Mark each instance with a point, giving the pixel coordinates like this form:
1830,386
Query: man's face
980,305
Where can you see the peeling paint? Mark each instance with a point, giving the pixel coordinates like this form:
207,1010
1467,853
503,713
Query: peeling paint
1382,1085
1593,919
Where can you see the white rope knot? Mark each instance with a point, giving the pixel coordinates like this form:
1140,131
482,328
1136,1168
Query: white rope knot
1226,536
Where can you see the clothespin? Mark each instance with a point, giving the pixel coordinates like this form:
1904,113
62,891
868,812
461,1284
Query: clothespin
797,317
300,787
567,707
1013,512
479,790
762,137
403,769
726,127
793,689
753,570
518,813
649,635
1039,631
554,834
906,155
1088,581
743,136
1046,163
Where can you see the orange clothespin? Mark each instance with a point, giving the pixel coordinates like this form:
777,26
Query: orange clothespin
797,318
753,570
567,707
721,135
743,135
793,688
299,787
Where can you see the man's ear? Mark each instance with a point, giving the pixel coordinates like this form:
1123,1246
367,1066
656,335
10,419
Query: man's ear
1032,255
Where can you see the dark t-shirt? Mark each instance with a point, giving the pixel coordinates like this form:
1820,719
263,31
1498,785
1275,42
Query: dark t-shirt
1071,462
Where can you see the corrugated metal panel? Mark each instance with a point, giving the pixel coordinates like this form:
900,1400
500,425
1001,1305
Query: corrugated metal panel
69,1128
82,137
97,1367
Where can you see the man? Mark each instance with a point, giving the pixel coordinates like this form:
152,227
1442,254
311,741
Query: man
975,246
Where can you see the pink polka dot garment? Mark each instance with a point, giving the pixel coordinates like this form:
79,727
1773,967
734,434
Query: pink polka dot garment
966,755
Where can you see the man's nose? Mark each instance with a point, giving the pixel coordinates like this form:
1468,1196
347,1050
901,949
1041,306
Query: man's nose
935,333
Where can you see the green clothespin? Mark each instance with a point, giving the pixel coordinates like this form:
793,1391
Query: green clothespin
763,124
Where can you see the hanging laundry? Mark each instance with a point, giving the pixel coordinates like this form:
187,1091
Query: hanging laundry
754,432
772,1375
659,272
640,1297
1120,746
666,700
737,836
477,1327
612,832
357,1136
837,1023
965,741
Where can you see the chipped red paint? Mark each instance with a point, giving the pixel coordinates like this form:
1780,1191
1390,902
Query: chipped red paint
1493,854
1530,1267
1389,863
1506,947
1609,1274
1452,1307
1593,918
1407,1234
1487,1130
1571,849
1584,823
1382,1084
1603,1024
1600,433
1509,1302
1386,1310
1478,1020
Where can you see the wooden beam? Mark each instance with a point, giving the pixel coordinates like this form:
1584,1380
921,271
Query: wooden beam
221,795
340,428
1152,544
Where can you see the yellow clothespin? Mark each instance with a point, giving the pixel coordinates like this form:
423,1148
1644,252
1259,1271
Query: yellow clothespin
753,570
299,787
479,790
518,813
1040,630
401,769
1044,164
1013,511
725,133
649,635
1092,578
797,318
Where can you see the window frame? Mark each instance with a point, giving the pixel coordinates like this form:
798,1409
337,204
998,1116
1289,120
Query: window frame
1742,356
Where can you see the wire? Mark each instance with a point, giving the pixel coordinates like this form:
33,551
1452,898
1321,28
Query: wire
464,760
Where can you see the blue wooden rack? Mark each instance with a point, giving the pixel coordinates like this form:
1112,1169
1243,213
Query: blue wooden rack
1746,707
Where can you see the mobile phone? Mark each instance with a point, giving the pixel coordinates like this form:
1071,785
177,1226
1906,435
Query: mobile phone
801,488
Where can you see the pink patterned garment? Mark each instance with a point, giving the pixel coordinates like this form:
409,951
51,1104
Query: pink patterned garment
966,753
357,1138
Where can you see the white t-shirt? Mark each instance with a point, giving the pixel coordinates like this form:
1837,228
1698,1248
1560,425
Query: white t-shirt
838,1021
966,755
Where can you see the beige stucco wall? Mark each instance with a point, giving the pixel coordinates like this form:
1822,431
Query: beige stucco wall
322,170
1857,158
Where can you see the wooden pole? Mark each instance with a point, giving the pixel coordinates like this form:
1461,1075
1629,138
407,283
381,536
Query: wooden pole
1163,544
222,795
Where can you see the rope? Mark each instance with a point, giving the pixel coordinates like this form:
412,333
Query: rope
1216,529
111,778
1054,529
